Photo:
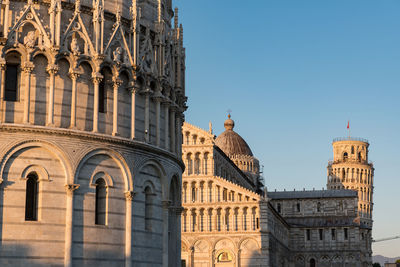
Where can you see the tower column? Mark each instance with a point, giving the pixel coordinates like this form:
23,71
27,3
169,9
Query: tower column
74,77
2,91
70,188
52,70
28,68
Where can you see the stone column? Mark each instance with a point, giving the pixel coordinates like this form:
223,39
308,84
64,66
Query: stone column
69,219
147,93
166,124
165,207
116,85
158,97
128,228
178,133
27,97
215,219
97,77
2,91
133,111
240,219
58,25
178,211
74,77
173,127
6,17
52,70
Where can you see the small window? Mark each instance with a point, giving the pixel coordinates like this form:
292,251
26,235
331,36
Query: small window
278,207
333,234
321,234
346,234
345,156
319,207
352,150
102,96
359,156
31,199
101,202
11,83
298,207
308,233
148,208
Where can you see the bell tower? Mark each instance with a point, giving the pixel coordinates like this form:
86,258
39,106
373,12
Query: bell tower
350,169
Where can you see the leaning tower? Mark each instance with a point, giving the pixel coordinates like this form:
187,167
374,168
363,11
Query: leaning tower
350,169
92,95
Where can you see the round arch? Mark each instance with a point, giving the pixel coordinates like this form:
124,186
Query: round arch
118,158
50,147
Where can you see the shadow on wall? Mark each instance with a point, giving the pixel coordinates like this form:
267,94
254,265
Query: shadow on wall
15,255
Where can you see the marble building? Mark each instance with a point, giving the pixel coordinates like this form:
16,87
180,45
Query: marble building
228,220
91,109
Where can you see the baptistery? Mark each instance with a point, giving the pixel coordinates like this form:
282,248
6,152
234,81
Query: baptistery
91,110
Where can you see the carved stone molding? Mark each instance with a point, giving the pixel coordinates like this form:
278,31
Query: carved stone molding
70,188
129,195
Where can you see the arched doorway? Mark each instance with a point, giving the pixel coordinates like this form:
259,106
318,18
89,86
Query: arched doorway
312,263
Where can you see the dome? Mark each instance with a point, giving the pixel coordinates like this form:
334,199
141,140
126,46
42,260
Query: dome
232,143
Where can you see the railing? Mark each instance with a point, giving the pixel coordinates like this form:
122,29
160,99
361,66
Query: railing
331,162
350,139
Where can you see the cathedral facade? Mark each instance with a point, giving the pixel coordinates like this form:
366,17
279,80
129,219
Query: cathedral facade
91,109
228,220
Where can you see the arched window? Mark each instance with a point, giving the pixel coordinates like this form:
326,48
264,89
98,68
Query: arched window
148,208
352,150
197,164
319,207
31,200
101,202
102,94
205,164
193,193
189,164
312,263
12,75
345,156
359,156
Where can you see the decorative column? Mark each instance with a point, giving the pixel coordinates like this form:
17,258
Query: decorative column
28,68
117,84
240,219
74,77
70,188
58,24
158,97
178,211
128,228
173,127
166,125
2,91
214,214
178,134
97,77
6,17
165,207
134,90
52,70
147,93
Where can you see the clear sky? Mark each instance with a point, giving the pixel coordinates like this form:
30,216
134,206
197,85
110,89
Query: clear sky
293,73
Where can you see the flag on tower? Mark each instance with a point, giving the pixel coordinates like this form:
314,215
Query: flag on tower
348,124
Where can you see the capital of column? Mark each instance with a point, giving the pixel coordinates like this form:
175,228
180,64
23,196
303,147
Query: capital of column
74,75
70,188
179,210
129,195
166,204
117,82
28,67
52,69
158,97
97,77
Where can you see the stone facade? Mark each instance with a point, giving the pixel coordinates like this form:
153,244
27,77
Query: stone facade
229,221
91,109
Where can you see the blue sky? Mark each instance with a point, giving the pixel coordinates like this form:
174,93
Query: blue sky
293,73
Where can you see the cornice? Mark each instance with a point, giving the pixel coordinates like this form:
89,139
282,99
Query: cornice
6,127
